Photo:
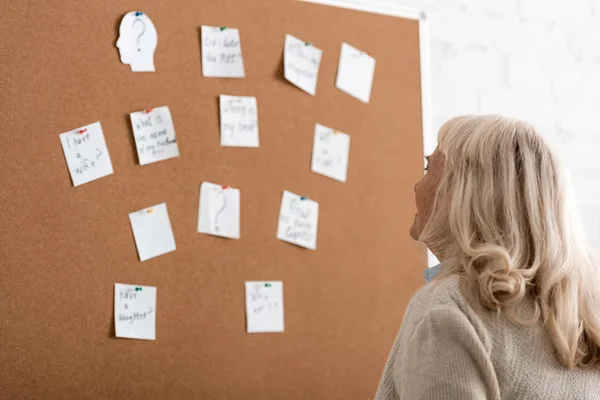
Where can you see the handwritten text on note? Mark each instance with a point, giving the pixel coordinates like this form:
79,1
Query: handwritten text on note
135,311
221,52
330,153
152,231
301,63
86,153
154,135
239,121
264,307
355,73
298,219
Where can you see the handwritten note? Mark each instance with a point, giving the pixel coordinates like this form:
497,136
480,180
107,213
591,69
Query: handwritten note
264,307
135,311
154,135
301,63
239,121
221,53
219,210
330,153
86,153
298,219
355,73
152,231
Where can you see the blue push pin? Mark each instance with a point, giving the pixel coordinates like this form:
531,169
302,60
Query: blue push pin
303,198
138,13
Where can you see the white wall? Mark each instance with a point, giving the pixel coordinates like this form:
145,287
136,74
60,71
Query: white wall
538,60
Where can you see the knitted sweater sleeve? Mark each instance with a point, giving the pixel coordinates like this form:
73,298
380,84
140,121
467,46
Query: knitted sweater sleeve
438,356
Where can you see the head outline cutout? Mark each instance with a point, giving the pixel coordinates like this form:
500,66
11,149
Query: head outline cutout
137,41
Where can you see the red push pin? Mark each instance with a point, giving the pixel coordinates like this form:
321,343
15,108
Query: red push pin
82,131
148,110
226,187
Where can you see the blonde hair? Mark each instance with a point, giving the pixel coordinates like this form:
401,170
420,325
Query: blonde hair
504,220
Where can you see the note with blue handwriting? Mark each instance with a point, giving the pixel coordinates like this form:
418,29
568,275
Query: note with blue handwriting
298,219
239,121
264,306
86,153
301,63
152,231
154,135
221,52
135,311
355,73
330,153
219,210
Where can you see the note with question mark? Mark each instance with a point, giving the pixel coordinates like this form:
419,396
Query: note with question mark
219,210
137,41
135,311
330,153
154,135
298,220
86,153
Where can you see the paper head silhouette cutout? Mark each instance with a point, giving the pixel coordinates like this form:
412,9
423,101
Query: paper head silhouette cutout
137,41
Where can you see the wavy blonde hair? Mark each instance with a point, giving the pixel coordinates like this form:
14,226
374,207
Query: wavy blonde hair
503,216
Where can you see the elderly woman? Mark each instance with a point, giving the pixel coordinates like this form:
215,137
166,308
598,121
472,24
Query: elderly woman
514,312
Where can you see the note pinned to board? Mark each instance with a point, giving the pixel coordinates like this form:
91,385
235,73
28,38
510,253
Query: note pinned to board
154,135
330,153
152,231
264,306
221,52
355,73
301,63
239,121
135,311
219,211
86,153
298,219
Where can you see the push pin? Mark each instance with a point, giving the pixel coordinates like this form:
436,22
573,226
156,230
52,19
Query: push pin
226,187
303,198
223,28
267,285
150,211
307,43
138,289
82,131
138,13
148,110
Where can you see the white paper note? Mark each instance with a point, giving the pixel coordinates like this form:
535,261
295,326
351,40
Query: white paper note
86,153
135,311
355,73
298,219
239,121
264,307
152,231
219,211
137,41
154,135
301,63
221,52
330,153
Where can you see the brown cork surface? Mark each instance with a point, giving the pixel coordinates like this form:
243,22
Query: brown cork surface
62,249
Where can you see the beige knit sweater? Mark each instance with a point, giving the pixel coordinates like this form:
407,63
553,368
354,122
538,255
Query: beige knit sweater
448,349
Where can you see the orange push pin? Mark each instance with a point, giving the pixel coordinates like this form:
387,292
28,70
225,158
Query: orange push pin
150,211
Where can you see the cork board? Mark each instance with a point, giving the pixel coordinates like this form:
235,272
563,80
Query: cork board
63,248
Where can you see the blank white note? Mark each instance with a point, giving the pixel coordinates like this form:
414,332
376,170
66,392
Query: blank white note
330,153
298,220
219,210
221,52
264,306
239,121
154,135
301,63
135,311
355,73
86,153
152,231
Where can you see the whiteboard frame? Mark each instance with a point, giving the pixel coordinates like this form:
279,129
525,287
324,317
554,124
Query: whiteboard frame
387,7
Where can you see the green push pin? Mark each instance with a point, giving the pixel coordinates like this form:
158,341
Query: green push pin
137,289
267,285
223,28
